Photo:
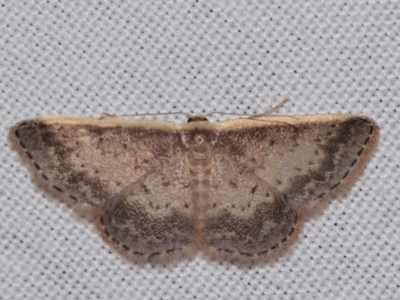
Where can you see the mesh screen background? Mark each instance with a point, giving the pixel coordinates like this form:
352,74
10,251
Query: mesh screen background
127,57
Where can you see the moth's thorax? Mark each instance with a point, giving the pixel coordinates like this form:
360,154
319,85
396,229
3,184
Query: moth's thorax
199,143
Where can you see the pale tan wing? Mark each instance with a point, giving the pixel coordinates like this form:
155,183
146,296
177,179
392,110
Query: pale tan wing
282,164
153,218
122,171
303,157
245,217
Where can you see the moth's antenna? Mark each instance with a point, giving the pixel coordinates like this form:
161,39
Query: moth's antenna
268,112
222,113
271,110
107,115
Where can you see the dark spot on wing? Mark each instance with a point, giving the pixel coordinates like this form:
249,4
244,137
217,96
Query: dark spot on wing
253,189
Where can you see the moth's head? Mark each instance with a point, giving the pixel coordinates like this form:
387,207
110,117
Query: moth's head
197,119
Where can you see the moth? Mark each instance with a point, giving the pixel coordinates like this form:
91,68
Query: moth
239,190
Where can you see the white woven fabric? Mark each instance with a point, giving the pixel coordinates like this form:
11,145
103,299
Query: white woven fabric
127,57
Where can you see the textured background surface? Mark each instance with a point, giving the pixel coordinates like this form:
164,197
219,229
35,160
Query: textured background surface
126,57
